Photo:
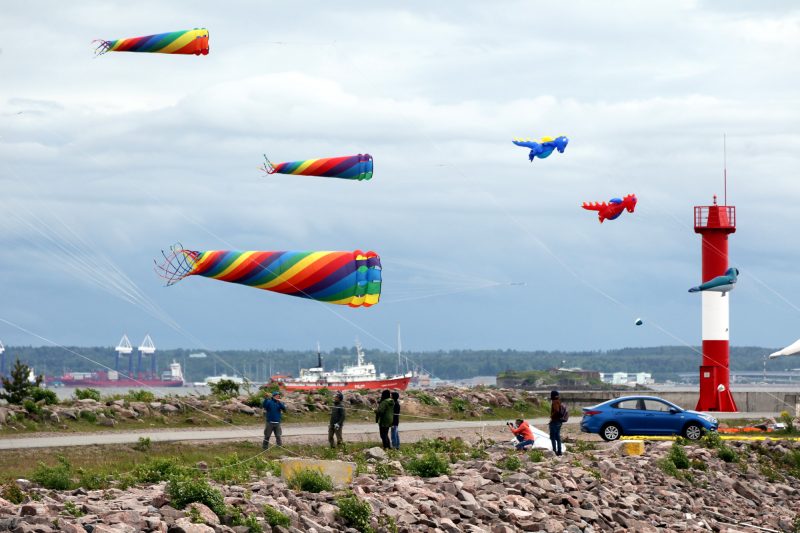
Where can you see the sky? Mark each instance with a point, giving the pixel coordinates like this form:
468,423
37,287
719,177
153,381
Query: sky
106,161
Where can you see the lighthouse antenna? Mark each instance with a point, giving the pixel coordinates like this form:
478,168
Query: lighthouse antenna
725,165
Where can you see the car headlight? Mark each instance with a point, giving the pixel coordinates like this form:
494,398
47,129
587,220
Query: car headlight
709,418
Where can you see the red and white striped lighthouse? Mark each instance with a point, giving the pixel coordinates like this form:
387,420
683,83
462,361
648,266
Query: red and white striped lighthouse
715,223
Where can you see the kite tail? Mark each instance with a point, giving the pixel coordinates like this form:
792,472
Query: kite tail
178,263
267,167
101,48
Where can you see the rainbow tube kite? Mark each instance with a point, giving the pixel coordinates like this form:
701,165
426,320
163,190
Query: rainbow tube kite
344,278
186,42
354,167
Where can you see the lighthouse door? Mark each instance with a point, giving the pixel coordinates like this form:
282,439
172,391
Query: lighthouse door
708,385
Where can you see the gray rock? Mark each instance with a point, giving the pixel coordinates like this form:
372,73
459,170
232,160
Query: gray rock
375,454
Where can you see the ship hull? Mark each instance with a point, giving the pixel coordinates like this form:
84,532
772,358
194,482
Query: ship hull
118,383
400,383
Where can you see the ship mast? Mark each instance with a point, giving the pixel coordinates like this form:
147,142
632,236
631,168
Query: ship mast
319,356
359,353
2,359
399,349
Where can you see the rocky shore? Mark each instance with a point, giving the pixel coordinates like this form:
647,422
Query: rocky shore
591,490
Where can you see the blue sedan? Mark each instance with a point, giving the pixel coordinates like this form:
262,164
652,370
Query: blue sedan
644,415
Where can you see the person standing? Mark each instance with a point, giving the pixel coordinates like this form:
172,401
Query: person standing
383,416
273,407
337,420
558,415
396,421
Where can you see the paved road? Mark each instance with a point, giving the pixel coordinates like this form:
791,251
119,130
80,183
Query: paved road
255,432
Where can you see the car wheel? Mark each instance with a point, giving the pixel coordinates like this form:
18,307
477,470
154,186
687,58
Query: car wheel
693,431
610,432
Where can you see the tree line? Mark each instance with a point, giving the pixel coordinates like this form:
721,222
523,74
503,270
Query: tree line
664,362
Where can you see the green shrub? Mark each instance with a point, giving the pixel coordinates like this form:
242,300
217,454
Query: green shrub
427,399
255,400
158,469
92,480
183,490
32,407
143,444
510,462
58,477
224,389
697,464
140,396
727,454
521,406
536,455
89,416
39,394
430,464
388,523
383,470
787,419
273,467
10,491
276,518
668,467
73,510
356,513
678,457
459,405
310,480
87,394
583,446
230,470
252,524
711,440
195,517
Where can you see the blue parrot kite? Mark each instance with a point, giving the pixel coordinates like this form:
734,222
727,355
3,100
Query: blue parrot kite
543,147
721,284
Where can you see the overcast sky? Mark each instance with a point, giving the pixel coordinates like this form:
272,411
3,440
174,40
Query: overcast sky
105,161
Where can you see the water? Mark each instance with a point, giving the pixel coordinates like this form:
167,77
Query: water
65,393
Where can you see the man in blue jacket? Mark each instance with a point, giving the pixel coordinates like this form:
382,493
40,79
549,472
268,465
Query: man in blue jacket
273,407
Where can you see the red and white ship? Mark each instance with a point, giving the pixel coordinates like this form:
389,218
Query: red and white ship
356,377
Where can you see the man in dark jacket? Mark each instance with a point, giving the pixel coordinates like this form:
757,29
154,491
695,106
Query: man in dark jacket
383,416
337,420
557,412
395,434
273,407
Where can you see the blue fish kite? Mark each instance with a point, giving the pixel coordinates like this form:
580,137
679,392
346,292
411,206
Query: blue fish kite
543,147
721,284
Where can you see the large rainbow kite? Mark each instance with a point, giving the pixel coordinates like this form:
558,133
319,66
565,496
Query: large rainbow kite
344,278
353,167
188,42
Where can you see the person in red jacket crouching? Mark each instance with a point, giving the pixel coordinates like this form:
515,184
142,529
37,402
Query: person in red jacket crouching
522,430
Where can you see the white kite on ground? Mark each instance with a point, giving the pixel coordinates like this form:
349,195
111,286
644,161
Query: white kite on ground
792,349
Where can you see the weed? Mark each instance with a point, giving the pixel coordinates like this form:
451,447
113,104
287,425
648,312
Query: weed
87,394
310,480
195,517
252,524
32,407
426,399
430,464
697,464
595,473
48,396
230,470
478,453
356,513
184,490
510,462
11,492
140,396
329,453
536,455
711,440
678,456
92,480
73,510
89,416
143,444
383,470
273,467
58,477
668,467
459,405
583,446
275,518
158,469
787,419
727,454
388,523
